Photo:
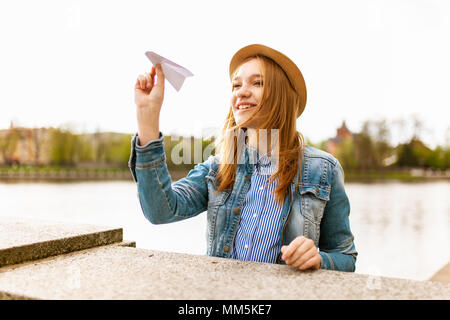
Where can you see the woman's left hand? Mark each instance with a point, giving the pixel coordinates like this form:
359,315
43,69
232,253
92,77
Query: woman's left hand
301,253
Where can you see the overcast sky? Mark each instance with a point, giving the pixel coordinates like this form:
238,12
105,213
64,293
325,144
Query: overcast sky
77,61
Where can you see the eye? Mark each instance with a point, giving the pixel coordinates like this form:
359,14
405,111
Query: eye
259,83
235,85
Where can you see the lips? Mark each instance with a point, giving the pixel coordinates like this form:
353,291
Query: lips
245,105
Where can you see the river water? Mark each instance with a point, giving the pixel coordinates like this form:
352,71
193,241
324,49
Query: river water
401,229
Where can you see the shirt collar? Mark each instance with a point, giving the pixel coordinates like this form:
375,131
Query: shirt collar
261,161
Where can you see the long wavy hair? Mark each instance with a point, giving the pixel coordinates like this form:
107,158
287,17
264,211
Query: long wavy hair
281,100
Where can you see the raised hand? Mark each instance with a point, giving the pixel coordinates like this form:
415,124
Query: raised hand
149,97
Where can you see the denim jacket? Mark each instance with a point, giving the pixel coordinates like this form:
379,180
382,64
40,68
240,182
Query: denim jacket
318,209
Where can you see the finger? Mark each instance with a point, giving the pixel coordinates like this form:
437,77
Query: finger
306,245
301,259
144,82
148,82
141,82
314,262
150,78
153,72
292,247
160,75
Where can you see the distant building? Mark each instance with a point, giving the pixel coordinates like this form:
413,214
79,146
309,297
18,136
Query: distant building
19,145
33,146
342,133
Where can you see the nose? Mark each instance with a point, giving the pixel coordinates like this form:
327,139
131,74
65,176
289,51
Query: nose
243,91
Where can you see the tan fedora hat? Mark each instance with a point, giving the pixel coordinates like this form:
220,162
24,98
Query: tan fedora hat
290,68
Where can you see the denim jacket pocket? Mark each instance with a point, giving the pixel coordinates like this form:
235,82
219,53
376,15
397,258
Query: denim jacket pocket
313,201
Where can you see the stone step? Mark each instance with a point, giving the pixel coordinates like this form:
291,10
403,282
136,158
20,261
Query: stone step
28,239
442,275
117,272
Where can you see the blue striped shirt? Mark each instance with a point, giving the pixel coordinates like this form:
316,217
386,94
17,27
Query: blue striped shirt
257,238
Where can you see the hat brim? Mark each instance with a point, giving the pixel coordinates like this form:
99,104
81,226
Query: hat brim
289,67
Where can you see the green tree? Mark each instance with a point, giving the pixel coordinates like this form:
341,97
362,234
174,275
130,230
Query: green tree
63,147
118,149
413,154
438,158
100,146
85,150
447,158
346,154
364,149
381,136
406,156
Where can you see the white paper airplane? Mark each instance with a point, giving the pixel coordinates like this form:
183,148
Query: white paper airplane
173,72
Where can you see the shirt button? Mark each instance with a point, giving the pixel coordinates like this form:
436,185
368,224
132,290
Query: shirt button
254,215
236,210
261,188
246,246
226,248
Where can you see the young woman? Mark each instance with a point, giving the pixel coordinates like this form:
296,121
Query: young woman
269,197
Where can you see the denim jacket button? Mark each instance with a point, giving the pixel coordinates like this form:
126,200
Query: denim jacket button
317,189
247,178
225,248
236,210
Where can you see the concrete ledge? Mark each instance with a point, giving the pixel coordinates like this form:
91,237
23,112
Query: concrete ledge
24,239
9,296
442,275
116,272
127,243
49,260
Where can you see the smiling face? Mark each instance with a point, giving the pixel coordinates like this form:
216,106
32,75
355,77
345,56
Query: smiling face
247,93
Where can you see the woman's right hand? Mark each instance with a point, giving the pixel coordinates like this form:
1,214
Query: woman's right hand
149,97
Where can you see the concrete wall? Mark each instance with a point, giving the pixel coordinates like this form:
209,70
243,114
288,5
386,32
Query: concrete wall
48,260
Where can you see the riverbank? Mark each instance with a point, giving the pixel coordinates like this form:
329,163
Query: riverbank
49,173
55,174
63,174
407,175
